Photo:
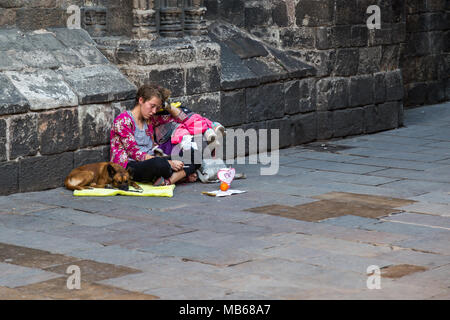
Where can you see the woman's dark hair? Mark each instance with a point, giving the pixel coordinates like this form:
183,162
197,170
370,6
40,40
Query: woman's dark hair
149,91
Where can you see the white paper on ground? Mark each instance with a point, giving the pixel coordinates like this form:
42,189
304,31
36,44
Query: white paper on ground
220,193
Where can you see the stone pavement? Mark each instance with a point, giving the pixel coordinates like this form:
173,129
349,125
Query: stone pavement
310,232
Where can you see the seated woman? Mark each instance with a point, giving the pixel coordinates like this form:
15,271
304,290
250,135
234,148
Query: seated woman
132,142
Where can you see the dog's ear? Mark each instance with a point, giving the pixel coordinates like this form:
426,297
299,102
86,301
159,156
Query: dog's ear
111,170
130,172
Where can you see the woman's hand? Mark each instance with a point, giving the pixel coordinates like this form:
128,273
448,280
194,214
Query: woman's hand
176,165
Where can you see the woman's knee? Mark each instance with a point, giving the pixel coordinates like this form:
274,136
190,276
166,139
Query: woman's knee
163,167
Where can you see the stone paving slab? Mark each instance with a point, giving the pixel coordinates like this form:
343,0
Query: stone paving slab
421,219
13,276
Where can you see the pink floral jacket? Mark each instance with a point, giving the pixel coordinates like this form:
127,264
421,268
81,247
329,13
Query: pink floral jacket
123,143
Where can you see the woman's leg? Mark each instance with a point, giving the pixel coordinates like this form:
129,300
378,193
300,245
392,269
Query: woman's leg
148,170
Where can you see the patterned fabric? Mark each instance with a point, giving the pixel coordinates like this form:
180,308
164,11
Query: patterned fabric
165,124
123,142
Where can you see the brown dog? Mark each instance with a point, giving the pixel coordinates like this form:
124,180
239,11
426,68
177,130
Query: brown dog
100,175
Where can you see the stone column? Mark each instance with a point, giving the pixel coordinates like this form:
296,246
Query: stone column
94,20
194,18
144,22
170,14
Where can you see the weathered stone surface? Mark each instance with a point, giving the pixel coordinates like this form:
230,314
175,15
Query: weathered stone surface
11,100
369,60
45,41
56,167
73,38
58,131
332,93
234,11
98,84
295,68
256,16
44,89
9,171
379,91
361,90
264,102
292,97
234,74
207,104
314,12
3,132
324,125
304,128
297,38
202,79
348,122
94,122
23,136
308,95
266,69
68,58
172,78
245,47
394,85
346,62
381,117
40,18
86,156
232,107
279,14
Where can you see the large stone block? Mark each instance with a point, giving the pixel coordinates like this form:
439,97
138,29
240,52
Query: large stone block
390,58
416,93
41,18
56,168
207,105
292,97
256,16
346,62
172,78
265,102
379,90
314,12
235,74
332,93
346,12
295,68
361,90
359,36
418,44
45,41
99,84
44,89
308,95
394,85
322,60
11,100
9,183
325,125
86,156
23,138
369,60
304,128
202,79
73,38
3,133
298,38
95,122
381,117
266,69
348,122
7,17
233,11
232,107
58,131
279,14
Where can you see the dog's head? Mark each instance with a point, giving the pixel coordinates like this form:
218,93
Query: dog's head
120,178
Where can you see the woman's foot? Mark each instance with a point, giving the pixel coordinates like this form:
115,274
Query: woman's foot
162,182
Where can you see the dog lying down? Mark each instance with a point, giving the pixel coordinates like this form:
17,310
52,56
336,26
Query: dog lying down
100,175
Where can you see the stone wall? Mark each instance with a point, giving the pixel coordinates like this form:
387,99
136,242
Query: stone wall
426,57
58,98
333,35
